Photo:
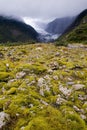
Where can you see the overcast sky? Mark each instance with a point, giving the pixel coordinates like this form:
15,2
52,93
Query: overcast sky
42,8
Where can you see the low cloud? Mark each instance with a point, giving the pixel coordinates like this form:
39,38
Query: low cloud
46,9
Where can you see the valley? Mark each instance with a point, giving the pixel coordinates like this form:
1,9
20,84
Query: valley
43,74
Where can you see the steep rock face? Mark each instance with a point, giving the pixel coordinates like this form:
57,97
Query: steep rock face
13,30
59,25
77,31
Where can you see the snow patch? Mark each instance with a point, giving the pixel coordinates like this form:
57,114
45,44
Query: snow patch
39,25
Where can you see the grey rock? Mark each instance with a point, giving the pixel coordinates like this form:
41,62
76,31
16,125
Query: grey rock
60,100
65,90
43,102
41,82
54,65
55,77
57,54
4,118
50,71
76,108
83,117
39,49
20,75
78,86
70,83
82,97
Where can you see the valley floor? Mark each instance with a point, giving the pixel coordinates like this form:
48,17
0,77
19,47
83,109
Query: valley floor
43,86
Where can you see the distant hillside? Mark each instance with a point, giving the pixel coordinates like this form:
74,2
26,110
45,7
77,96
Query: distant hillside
13,30
59,25
77,31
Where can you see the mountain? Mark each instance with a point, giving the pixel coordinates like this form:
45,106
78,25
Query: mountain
59,25
77,31
13,30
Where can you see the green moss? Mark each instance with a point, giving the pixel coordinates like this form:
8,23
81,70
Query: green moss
38,123
20,123
2,67
80,74
55,89
50,119
52,100
74,122
21,98
31,78
77,34
33,68
11,91
85,107
4,76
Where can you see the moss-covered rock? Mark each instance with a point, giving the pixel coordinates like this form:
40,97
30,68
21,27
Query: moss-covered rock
4,76
44,87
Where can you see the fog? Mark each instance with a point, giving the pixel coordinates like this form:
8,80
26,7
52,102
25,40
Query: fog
42,9
38,13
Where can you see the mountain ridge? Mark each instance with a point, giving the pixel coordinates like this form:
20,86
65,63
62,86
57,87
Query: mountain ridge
59,25
77,31
13,30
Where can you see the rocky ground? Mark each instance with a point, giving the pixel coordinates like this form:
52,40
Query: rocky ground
43,87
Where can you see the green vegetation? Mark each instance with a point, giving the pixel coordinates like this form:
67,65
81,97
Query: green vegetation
43,87
77,32
78,35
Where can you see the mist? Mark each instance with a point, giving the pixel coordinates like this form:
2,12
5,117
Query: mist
38,13
42,9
